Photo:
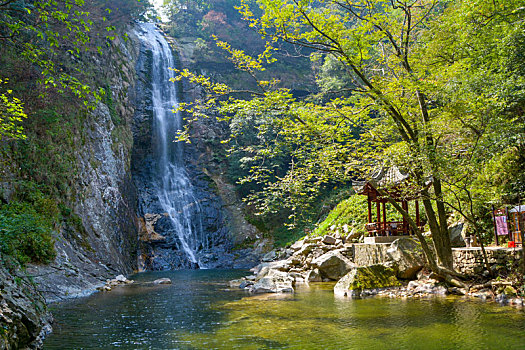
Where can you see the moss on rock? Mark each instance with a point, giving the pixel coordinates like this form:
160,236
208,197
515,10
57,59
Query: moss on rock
366,277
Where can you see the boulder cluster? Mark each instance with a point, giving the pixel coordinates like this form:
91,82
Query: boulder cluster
331,258
117,281
361,270
500,291
121,280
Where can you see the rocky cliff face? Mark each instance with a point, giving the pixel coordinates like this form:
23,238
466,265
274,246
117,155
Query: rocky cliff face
23,314
111,200
104,243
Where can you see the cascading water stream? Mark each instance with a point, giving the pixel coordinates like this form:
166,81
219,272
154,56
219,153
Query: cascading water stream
174,190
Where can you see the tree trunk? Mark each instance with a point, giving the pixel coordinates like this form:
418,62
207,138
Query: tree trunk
522,253
438,225
445,253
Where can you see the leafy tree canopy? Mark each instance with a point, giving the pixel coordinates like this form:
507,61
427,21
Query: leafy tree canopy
428,86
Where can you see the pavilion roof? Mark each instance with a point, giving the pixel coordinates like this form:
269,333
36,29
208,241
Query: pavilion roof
383,177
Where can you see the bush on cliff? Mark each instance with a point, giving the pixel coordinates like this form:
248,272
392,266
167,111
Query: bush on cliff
27,226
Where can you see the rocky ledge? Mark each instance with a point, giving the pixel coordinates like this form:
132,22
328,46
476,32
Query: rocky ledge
328,258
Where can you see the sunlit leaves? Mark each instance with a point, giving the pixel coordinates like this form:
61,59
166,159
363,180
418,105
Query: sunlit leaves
11,114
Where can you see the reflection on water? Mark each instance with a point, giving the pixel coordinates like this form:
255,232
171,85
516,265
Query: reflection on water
198,312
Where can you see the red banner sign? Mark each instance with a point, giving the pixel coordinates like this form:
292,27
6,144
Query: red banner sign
501,225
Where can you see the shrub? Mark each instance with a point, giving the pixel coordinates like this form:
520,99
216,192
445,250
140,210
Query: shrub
26,236
26,226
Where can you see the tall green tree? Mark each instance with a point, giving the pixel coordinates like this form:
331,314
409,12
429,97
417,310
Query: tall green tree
427,87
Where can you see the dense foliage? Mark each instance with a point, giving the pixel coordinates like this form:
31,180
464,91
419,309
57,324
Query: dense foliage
27,225
11,115
49,41
198,25
432,87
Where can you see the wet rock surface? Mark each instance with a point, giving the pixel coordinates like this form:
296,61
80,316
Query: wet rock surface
147,225
162,281
204,156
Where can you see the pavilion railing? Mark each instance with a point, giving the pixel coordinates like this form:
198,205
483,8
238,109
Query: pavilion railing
390,228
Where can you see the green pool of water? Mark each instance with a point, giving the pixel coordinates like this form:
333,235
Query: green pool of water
198,311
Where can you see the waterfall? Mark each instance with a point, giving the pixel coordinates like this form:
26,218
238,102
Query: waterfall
170,180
